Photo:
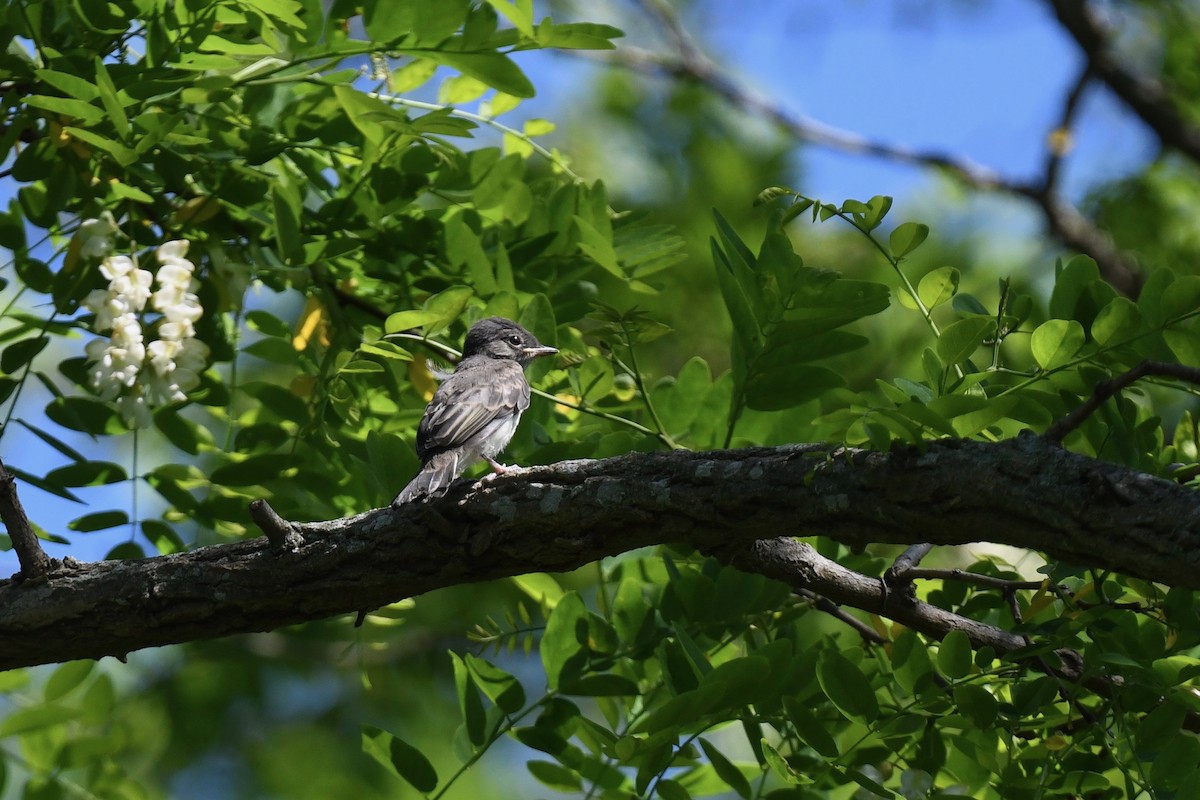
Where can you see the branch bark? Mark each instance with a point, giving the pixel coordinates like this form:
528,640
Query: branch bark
1024,492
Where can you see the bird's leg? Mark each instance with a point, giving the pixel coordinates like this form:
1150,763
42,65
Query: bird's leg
496,466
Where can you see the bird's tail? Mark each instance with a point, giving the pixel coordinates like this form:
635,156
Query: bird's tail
433,479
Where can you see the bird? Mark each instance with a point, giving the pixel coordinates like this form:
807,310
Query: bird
475,411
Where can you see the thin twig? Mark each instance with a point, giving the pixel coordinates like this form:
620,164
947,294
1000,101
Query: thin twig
1059,139
35,564
824,604
963,576
1103,391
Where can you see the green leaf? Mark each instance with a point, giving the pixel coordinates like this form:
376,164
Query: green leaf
404,321
286,205
976,704
555,776
122,154
162,536
725,769
561,644
938,286
56,443
20,354
1056,341
67,106
400,758
188,436
98,521
1182,297
541,587
65,678
126,551
108,96
519,13
780,766
72,84
429,23
601,685
499,686
449,305
87,473
35,718
494,69
1116,322
1070,285
268,324
960,340
469,702
847,687
770,389
954,655
1185,344
577,35
739,284
969,305
812,731
907,237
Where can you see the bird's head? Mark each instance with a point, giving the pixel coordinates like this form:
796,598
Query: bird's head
496,337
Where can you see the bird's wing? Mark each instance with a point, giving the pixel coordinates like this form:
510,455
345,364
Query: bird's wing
467,401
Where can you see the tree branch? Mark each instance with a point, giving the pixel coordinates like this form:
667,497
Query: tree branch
1108,389
1063,220
33,560
1145,97
1024,492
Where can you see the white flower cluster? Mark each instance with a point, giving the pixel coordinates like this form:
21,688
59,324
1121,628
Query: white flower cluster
123,367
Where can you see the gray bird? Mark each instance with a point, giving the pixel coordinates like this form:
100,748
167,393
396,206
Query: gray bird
475,411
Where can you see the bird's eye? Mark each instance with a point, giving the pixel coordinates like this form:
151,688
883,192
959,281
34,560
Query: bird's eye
514,340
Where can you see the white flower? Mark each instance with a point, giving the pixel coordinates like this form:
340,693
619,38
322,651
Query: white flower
95,236
174,250
115,266
140,376
134,410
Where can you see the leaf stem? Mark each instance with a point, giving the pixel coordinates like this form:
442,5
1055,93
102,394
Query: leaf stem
554,159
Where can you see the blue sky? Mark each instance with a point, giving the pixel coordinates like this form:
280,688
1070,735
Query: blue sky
984,79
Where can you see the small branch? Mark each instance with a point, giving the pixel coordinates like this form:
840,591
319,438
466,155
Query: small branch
963,576
1063,220
824,604
1103,391
804,569
35,564
909,559
1145,96
280,533
1060,137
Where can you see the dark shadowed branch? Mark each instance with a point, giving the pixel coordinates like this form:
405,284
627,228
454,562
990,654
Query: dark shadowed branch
1023,492
1108,389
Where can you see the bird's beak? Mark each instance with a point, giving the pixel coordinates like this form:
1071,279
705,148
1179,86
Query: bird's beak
540,350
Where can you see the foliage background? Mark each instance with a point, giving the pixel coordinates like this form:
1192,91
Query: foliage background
392,206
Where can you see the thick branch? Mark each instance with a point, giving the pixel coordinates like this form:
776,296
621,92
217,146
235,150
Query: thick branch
1023,492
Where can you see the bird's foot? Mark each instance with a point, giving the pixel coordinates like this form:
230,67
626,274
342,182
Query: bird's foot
501,469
